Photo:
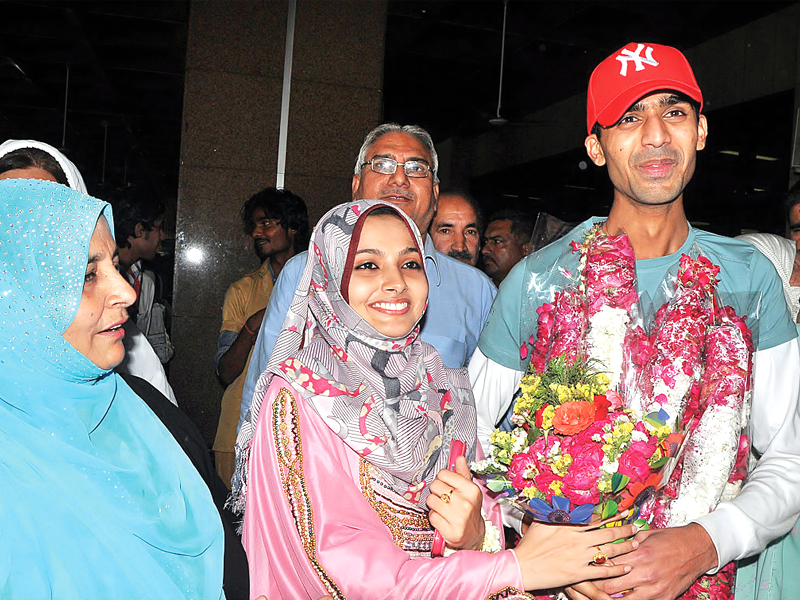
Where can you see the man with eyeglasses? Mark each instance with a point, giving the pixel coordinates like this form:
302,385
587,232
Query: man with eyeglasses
398,164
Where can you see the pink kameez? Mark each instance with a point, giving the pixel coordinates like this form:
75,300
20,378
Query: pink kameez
312,525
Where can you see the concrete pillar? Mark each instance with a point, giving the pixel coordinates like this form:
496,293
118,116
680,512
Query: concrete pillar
229,148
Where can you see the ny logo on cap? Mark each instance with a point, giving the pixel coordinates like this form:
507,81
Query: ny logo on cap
627,56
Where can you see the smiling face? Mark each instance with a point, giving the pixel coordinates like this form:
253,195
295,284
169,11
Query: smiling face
387,286
415,196
269,236
651,152
454,230
96,331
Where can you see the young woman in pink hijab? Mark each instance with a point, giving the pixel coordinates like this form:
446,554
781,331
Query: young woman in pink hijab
343,460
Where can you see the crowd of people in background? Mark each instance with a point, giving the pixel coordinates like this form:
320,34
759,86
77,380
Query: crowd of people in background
350,361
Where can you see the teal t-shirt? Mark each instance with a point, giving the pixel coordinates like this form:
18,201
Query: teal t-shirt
748,282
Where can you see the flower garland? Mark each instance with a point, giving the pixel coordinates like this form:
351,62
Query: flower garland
607,278
605,409
715,459
677,344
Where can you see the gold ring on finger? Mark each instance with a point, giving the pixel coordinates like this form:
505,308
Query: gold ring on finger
600,558
446,497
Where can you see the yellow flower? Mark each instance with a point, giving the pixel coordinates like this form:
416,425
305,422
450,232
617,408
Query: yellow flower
529,492
524,404
555,487
657,455
547,416
530,383
561,465
500,438
564,393
623,430
663,431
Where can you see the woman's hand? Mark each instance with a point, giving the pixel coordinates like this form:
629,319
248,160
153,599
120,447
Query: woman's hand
455,508
553,556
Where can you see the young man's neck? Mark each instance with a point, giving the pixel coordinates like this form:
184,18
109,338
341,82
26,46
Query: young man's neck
277,260
653,231
126,258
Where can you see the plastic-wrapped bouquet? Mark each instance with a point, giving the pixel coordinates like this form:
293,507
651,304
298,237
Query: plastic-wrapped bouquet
576,451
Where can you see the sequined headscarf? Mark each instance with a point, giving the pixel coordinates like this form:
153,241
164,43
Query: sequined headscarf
97,499
391,400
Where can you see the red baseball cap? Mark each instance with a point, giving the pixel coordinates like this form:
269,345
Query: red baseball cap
633,72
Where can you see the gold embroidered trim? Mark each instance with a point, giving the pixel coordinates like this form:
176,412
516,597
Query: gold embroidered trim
510,593
289,447
409,526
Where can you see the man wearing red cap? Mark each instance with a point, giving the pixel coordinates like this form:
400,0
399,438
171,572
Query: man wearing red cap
645,125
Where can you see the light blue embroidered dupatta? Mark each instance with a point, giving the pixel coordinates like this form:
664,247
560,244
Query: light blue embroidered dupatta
97,500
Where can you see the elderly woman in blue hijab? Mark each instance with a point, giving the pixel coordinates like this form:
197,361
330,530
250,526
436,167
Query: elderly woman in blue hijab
98,500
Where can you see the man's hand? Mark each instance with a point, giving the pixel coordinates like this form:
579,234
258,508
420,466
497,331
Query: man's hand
666,563
254,321
233,362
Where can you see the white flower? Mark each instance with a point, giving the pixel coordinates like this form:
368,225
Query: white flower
610,467
487,464
555,450
520,440
604,339
709,458
676,396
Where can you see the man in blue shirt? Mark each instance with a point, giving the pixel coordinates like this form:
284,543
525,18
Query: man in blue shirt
645,125
399,165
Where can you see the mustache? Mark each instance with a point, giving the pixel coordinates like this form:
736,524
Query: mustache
655,154
460,254
397,192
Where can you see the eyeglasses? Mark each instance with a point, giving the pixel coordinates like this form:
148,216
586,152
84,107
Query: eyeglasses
388,166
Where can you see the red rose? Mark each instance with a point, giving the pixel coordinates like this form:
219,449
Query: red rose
634,465
580,482
601,406
647,448
539,417
522,464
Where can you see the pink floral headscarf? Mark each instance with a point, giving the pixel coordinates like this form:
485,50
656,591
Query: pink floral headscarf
391,400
